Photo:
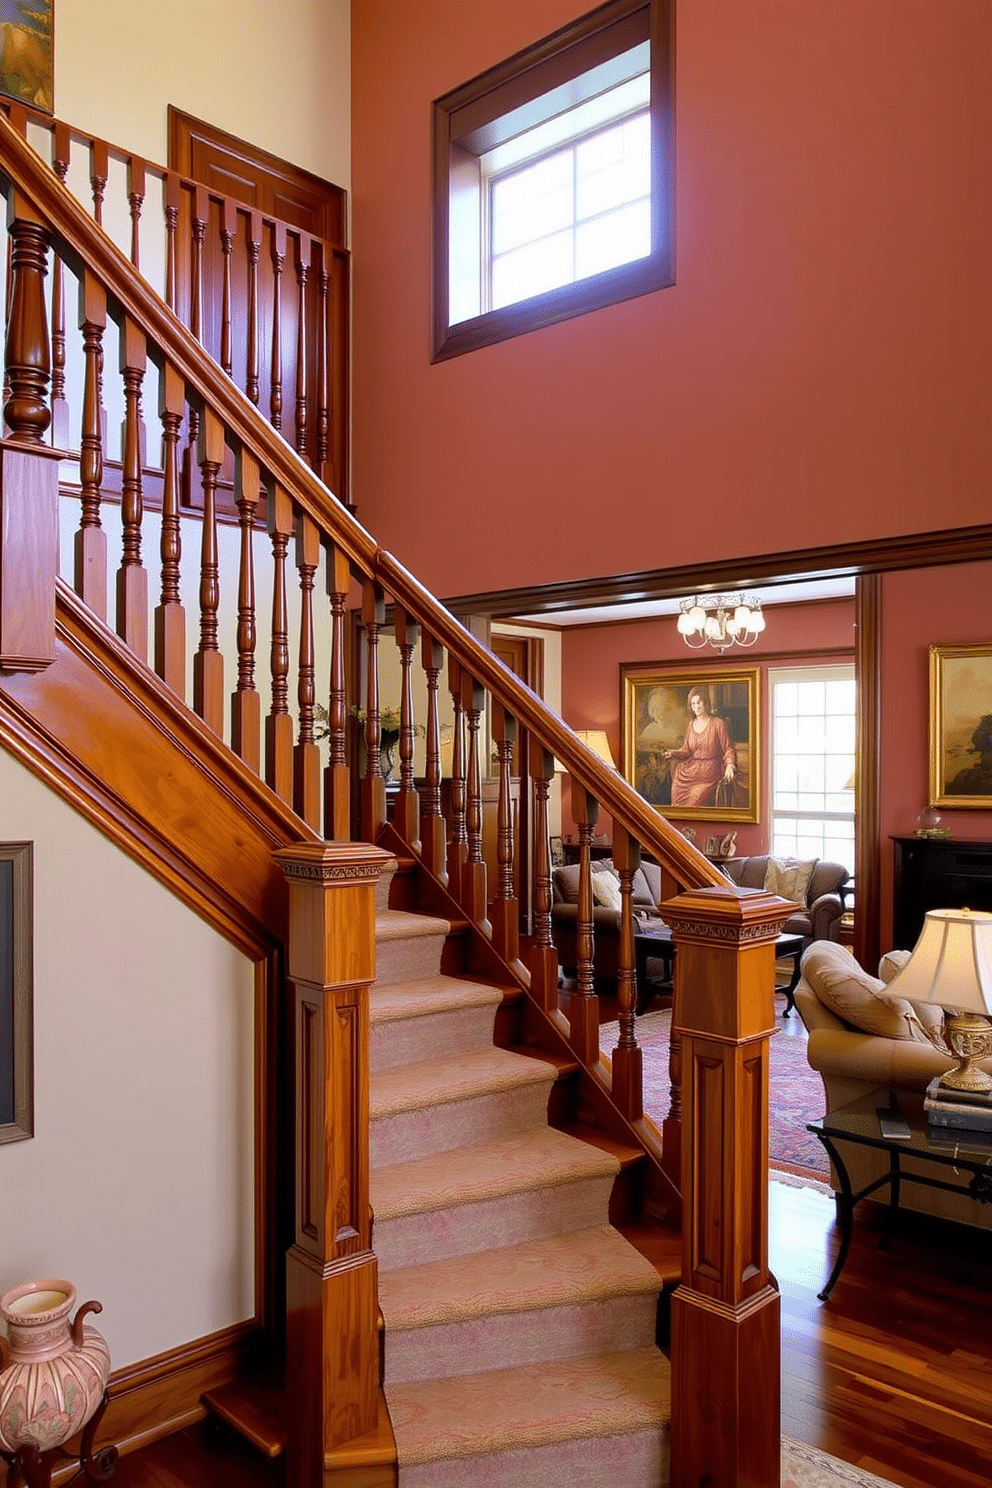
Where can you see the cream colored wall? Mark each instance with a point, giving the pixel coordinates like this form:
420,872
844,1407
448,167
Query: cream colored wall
275,75
137,1184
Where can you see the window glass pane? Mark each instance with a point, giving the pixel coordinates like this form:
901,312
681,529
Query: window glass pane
532,269
532,203
616,239
613,167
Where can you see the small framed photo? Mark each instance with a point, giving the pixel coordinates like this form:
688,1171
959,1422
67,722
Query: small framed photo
961,725
690,741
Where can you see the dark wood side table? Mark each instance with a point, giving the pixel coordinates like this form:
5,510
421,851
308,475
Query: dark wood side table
966,1153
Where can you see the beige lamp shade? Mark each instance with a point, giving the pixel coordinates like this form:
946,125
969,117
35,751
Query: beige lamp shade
951,963
596,740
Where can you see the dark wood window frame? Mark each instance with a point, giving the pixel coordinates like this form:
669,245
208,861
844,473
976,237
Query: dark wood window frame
16,991
511,96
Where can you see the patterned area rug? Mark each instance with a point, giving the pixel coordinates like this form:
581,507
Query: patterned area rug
795,1096
805,1467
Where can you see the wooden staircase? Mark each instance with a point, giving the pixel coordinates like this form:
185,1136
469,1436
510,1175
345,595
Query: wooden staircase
231,804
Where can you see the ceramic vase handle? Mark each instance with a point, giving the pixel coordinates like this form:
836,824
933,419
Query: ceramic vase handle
77,1322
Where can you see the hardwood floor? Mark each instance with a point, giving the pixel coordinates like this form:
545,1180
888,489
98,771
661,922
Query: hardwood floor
894,1373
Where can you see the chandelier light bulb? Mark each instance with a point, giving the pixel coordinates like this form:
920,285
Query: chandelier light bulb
721,619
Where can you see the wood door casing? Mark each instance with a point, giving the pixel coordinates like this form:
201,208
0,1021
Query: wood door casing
312,209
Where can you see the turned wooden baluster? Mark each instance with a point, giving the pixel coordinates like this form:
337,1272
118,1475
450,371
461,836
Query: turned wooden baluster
474,886
583,1013
323,416
173,193
208,663
90,572
279,724
99,172
302,276
278,259
432,825
132,577
406,809
337,776
28,365
506,908
60,408
228,227
543,956
373,784
170,614
246,705
136,200
306,754
627,1060
198,227
253,238
457,835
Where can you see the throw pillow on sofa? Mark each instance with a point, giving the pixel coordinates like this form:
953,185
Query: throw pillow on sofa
859,1000
606,890
790,878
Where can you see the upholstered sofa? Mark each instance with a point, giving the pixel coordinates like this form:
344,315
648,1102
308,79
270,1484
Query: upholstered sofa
814,885
862,1037
818,918
645,893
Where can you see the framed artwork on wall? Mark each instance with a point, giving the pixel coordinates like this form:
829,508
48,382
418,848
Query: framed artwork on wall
26,53
16,981
690,741
961,725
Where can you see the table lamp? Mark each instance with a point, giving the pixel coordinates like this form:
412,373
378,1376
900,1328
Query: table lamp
951,965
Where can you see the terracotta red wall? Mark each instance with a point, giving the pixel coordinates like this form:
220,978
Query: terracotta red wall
818,374
590,693
924,608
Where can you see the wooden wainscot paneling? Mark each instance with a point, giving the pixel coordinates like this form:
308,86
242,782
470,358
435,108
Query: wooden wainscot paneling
331,1277
725,1313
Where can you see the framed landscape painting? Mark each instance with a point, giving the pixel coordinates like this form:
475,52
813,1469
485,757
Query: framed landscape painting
26,53
961,725
690,741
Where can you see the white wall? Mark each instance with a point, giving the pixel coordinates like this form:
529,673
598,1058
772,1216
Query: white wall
137,1185
277,76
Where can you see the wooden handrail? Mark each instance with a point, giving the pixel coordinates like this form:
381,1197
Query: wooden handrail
726,937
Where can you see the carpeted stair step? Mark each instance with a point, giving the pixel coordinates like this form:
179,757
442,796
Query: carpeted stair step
476,1198
601,1418
408,946
454,1101
412,1021
588,1292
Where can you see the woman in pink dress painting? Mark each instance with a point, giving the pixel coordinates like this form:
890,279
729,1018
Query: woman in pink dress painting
706,757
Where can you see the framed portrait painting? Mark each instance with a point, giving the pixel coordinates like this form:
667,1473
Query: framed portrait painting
961,725
690,741
26,51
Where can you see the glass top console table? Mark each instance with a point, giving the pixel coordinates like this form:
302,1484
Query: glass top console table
966,1155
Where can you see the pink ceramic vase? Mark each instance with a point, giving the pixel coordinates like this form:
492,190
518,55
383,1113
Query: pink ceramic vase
54,1372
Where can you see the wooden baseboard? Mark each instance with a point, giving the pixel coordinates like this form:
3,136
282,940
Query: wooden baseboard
164,1394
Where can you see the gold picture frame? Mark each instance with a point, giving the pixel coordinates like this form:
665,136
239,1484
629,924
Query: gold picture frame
961,725
660,760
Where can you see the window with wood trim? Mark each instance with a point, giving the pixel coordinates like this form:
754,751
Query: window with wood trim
554,179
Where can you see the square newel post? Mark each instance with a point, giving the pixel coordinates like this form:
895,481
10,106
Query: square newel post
332,1360
725,1313
29,554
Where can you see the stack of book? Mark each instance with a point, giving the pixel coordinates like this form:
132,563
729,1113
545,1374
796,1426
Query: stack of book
958,1114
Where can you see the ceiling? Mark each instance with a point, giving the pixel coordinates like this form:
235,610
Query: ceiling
649,609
